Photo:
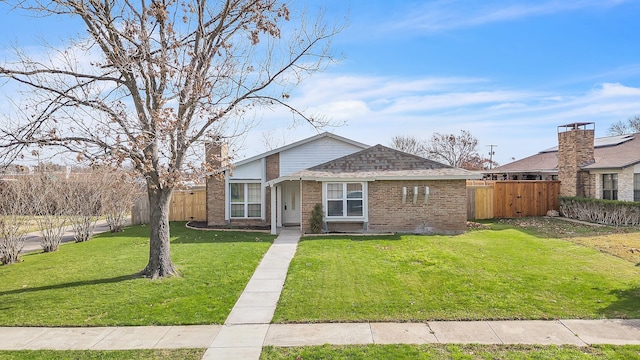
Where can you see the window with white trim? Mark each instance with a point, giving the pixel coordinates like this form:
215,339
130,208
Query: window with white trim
345,200
246,200
610,186
636,187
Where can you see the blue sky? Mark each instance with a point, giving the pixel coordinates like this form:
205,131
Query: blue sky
509,72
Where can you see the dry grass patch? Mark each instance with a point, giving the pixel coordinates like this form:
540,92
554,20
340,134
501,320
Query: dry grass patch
625,246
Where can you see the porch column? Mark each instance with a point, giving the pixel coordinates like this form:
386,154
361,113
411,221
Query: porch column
273,211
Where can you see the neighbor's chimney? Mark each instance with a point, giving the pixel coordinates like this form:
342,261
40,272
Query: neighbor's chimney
575,149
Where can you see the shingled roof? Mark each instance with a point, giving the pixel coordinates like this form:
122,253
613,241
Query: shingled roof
611,152
381,163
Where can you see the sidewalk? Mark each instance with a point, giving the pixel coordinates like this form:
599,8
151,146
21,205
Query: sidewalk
32,241
245,341
248,327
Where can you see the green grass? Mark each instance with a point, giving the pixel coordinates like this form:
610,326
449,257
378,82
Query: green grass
484,274
431,351
95,283
184,354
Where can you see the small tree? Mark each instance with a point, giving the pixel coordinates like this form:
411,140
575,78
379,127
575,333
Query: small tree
15,218
632,125
315,222
118,194
84,206
51,201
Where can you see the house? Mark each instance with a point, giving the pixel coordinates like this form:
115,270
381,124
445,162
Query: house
361,189
602,168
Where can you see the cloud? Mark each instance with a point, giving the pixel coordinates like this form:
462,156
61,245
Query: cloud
521,121
445,15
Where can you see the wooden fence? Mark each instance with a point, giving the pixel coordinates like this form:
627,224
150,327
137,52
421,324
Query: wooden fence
186,205
510,199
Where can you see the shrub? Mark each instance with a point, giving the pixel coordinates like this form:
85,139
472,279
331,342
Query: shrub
316,219
609,212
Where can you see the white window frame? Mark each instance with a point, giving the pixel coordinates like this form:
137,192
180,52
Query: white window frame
615,186
246,201
344,216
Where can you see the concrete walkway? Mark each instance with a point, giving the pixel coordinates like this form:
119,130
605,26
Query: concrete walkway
247,328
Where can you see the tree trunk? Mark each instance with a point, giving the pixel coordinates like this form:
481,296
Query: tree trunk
160,264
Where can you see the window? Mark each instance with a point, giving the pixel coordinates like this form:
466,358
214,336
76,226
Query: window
345,200
636,187
246,200
610,186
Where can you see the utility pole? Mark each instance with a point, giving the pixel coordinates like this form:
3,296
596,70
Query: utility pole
491,153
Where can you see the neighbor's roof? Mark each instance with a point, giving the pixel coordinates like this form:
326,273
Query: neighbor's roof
302,142
380,163
611,152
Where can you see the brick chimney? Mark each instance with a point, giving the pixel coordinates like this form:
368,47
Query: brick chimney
217,157
217,154
575,149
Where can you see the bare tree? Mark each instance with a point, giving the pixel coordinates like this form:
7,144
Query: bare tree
161,76
50,203
410,144
15,218
119,190
451,149
85,207
632,125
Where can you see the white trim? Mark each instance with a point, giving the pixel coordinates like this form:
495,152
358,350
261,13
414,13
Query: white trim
301,203
246,203
372,178
274,226
227,200
263,188
279,205
365,202
302,142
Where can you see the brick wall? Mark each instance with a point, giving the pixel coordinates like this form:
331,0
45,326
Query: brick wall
311,195
575,147
625,184
217,156
215,200
444,213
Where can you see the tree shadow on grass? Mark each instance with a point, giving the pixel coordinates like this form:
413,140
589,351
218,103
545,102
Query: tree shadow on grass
627,306
73,284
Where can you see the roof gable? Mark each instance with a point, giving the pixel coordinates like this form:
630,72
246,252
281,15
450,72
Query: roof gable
302,142
378,158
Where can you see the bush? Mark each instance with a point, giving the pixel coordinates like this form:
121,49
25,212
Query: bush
316,219
608,212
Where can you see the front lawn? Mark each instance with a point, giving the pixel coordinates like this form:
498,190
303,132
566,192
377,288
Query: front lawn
183,354
95,283
484,274
433,351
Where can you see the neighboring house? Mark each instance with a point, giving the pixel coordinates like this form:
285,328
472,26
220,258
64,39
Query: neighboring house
360,188
603,168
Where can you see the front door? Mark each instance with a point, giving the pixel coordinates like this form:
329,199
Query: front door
291,203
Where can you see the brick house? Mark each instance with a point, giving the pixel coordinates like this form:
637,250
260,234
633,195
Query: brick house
602,168
360,188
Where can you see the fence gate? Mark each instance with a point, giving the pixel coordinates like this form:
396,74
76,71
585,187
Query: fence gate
511,199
